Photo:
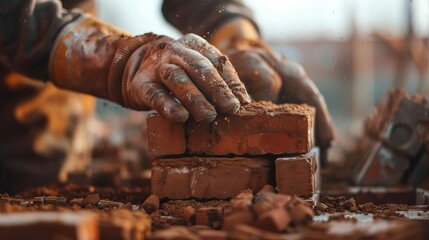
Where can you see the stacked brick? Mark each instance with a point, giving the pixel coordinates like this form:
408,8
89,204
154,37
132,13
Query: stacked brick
262,144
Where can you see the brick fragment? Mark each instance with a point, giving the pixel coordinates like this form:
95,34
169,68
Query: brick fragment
296,175
196,177
91,199
189,215
151,204
210,216
257,129
240,217
275,220
164,136
76,201
268,201
300,211
39,200
242,201
48,225
267,188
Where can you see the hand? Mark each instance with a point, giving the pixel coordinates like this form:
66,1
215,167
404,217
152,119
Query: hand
268,76
174,77
189,70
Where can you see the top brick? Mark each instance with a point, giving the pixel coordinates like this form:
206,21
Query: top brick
258,128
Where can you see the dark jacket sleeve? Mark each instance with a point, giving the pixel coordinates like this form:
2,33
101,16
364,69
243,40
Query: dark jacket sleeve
202,17
28,29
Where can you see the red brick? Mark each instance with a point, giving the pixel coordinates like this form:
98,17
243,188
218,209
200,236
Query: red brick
164,136
195,177
296,175
258,128
209,216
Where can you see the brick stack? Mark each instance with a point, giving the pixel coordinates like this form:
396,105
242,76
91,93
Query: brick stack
262,144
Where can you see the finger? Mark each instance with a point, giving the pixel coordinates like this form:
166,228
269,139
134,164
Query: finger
301,89
205,77
158,98
141,92
176,79
260,79
220,62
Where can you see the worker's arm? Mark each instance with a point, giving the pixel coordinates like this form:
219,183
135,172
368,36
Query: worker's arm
229,25
78,52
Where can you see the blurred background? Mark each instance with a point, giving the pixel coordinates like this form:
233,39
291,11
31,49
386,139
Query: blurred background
354,50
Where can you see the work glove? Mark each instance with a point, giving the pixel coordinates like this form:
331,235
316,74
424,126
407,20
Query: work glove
149,71
269,76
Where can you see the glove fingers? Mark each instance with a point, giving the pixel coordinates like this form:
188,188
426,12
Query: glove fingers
260,79
158,98
301,89
176,79
205,77
221,63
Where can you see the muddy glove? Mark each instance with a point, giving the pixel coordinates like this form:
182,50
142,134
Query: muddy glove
174,77
269,76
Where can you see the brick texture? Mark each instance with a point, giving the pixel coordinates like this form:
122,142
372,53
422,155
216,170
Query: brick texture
257,129
296,175
195,177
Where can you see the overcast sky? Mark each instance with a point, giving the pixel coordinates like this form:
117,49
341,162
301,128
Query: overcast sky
287,19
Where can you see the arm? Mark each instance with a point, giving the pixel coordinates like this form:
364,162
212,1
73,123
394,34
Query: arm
78,52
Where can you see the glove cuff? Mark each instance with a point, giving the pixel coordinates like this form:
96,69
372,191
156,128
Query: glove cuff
82,56
125,47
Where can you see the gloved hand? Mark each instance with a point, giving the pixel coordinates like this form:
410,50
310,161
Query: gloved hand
174,77
269,76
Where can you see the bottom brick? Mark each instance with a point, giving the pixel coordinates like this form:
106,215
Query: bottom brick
197,177
297,175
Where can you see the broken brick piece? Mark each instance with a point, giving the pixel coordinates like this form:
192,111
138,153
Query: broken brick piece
242,201
164,136
258,128
198,177
300,212
267,201
241,217
48,225
151,204
210,216
296,175
275,220
91,199
266,188
189,215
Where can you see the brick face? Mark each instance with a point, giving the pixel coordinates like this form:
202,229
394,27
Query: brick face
196,177
257,129
165,137
296,175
